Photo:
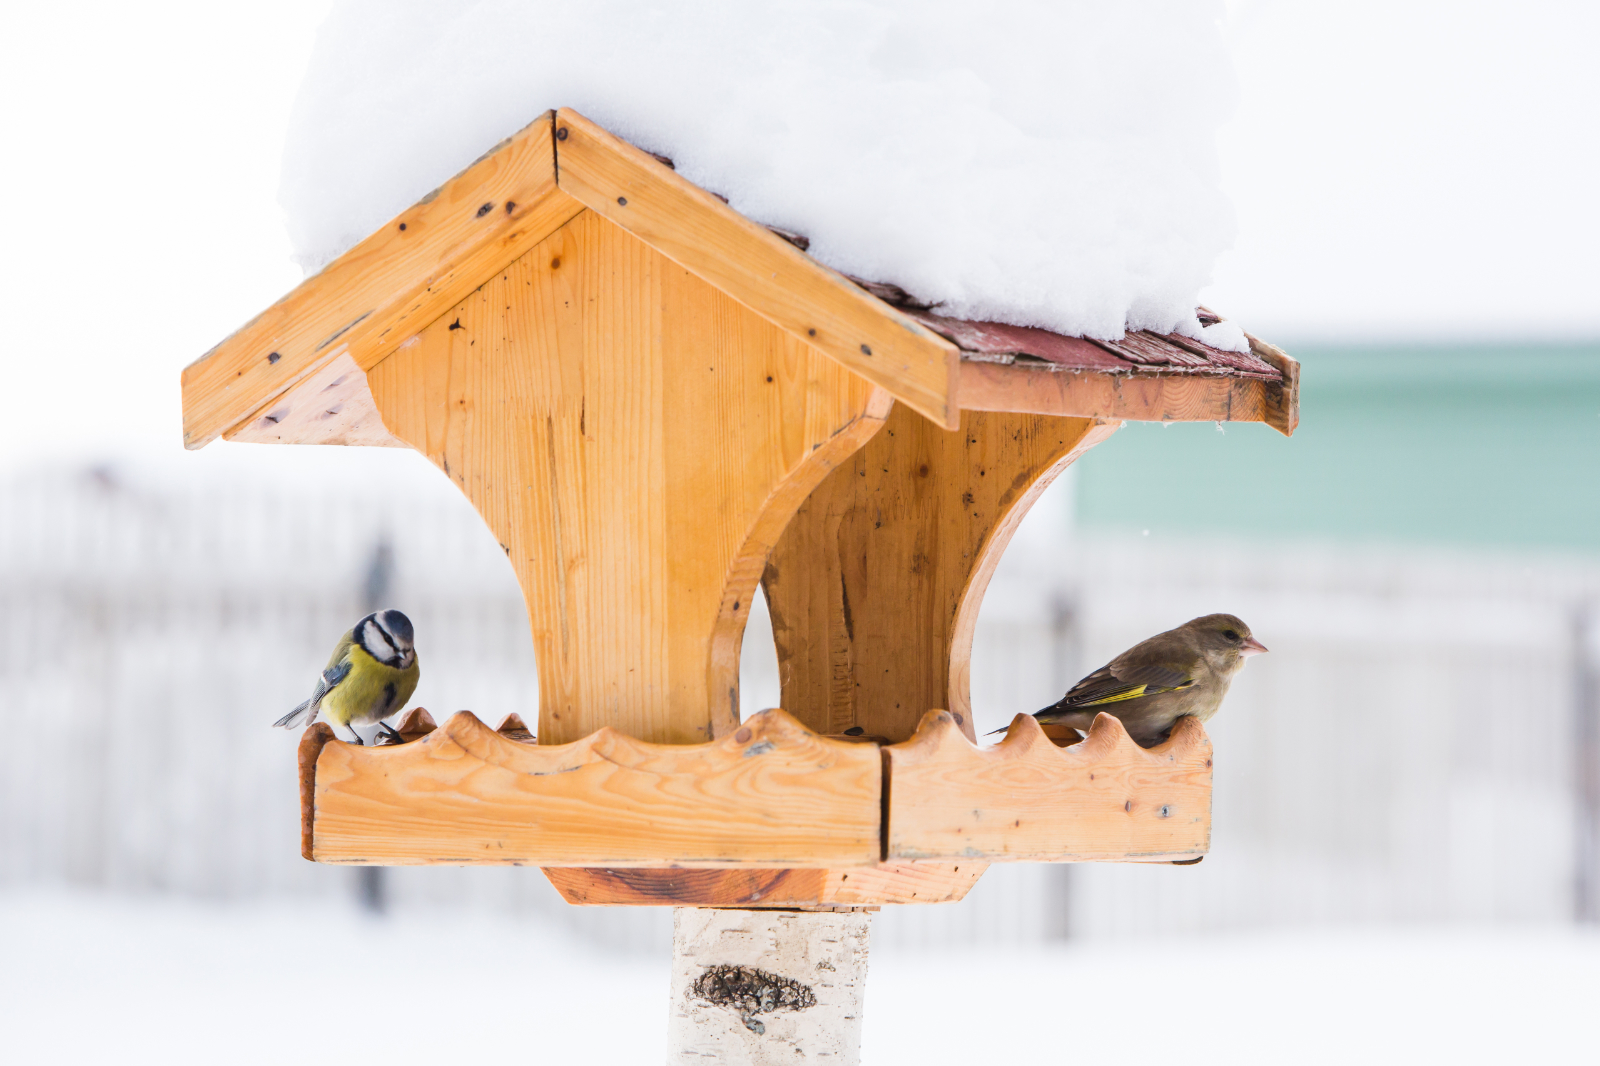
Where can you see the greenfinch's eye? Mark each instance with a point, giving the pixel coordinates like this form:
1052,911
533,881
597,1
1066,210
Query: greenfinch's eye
1230,634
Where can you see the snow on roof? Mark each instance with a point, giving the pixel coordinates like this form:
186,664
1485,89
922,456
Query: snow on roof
1039,163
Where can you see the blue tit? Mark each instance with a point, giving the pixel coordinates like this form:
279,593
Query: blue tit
1184,671
372,674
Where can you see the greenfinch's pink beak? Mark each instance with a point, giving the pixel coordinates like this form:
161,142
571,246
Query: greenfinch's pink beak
1252,647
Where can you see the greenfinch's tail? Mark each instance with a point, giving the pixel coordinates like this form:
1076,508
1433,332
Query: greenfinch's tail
1047,714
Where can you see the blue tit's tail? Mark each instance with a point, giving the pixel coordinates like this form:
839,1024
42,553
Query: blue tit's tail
300,715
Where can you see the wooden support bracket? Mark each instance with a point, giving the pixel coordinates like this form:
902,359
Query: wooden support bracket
637,441
875,585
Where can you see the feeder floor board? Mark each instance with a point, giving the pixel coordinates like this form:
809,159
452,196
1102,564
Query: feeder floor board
772,815
1026,799
770,794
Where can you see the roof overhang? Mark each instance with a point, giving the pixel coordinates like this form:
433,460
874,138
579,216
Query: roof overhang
268,380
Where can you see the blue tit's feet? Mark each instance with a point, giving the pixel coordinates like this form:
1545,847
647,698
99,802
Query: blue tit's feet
389,734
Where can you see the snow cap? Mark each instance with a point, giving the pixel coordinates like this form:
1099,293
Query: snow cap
1044,163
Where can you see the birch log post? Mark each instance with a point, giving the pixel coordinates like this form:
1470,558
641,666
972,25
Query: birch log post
754,988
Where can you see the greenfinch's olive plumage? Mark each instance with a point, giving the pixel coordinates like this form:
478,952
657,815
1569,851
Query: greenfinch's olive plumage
372,674
1184,671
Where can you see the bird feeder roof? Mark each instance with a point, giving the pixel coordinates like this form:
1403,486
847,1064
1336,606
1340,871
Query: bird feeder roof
295,374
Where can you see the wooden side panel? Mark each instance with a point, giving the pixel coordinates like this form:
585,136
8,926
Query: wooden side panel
1282,402
636,440
875,585
771,794
762,271
382,291
1027,800
872,886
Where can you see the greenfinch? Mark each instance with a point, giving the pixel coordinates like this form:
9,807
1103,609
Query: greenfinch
372,674
1184,671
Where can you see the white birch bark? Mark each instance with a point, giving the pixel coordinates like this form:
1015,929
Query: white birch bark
756,988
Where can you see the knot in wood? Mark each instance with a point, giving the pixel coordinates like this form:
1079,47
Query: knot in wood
750,992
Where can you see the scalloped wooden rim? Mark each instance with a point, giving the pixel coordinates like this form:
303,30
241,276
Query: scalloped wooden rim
937,735
841,822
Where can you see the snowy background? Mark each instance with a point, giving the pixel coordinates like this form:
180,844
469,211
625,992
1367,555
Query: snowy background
1398,864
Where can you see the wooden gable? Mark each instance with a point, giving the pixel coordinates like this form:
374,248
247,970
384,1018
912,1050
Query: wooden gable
398,281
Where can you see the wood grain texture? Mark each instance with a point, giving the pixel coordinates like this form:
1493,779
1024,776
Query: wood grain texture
875,585
1282,402
636,440
858,886
1024,799
331,406
771,794
311,744
1137,397
761,270
385,289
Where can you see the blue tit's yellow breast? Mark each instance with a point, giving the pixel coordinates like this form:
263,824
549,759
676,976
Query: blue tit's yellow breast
370,691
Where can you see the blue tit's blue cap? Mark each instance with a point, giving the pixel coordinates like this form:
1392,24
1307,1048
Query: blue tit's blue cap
398,625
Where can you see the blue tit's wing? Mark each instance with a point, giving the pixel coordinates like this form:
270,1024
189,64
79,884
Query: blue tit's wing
336,671
330,680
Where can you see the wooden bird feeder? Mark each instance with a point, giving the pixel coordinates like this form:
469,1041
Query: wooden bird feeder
656,404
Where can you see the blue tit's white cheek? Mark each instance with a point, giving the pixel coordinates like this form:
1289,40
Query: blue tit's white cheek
377,643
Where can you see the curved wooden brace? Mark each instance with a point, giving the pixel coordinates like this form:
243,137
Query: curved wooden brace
636,440
1025,799
875,586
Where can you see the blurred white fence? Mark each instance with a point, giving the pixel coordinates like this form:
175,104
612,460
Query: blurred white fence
1405,752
